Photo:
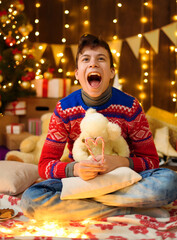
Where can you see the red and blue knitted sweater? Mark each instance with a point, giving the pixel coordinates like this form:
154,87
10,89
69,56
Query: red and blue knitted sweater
121,109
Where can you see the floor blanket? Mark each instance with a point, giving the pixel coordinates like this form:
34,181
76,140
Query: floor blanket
119,227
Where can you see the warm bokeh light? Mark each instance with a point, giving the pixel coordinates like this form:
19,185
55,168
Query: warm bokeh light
144,19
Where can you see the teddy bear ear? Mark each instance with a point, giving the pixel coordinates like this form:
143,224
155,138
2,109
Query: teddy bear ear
114,130
90,111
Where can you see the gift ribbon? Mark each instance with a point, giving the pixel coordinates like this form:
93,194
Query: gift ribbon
14,104
95,142
12,125
44,87
14,107
64,87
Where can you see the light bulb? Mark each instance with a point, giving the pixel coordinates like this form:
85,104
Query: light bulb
60,70
86,22
66,11
38,5
63,40
66,25
36,20
119,4
37,33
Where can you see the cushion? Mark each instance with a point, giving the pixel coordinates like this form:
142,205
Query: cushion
76,188
15,177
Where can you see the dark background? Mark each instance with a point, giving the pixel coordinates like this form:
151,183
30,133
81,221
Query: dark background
101,14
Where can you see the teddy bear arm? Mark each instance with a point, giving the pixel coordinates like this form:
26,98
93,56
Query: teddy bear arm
29,144
19,156
80,151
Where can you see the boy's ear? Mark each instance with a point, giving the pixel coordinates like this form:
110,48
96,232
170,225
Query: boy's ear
112,73
76,73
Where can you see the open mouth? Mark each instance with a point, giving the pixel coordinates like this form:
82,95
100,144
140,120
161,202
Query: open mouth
94,79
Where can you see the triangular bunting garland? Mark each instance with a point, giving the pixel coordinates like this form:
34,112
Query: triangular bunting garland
170,30
57,49
74,50
134,43
115,45
39,49
153,39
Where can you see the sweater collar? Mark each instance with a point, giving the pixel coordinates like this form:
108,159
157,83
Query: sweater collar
96,101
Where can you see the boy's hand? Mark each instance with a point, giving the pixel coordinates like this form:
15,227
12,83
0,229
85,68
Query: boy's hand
112,162
88,169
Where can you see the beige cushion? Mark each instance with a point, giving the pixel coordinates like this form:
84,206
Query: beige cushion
76,188
15,177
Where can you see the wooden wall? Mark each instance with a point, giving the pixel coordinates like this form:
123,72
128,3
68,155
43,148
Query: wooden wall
101,14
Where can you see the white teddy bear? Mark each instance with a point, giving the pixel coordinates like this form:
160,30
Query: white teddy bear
98,134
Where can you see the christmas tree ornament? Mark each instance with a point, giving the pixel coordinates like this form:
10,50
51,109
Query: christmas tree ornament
3,16
29,27
28,69
25,51
23,30
19,5
48,75
29,76
18,57
25,84
1,78
10,41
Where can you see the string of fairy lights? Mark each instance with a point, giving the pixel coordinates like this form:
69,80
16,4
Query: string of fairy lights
145,60
146,53
173,80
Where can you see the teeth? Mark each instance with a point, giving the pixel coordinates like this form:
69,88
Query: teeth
94,74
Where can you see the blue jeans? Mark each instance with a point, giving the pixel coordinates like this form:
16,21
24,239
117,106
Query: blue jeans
157,188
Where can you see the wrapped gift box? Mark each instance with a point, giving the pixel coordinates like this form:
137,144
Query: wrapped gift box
53,88
12,141
15,128
16,108
6,120
34,126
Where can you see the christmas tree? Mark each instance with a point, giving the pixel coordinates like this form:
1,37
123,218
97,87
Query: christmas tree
17,64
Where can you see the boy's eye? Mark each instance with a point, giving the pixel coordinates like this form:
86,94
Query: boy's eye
101,59
85,59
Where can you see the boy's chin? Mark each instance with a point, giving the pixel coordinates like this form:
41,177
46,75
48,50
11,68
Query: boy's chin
94,94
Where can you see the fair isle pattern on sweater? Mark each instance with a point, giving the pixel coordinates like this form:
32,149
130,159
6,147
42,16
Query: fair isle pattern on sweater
121,109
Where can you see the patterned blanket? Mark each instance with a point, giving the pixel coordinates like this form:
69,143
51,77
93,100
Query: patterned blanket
119,227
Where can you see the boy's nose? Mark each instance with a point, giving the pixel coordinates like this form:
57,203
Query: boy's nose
93,63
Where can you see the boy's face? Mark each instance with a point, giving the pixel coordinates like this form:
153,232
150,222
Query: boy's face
94,71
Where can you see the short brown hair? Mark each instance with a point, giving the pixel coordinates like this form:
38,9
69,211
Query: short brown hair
93,41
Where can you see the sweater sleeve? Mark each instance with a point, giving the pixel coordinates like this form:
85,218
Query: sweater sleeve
143,150
50,165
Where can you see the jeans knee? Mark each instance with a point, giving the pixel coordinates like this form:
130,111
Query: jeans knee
170,183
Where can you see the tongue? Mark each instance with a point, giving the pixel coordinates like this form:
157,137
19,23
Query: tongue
94,83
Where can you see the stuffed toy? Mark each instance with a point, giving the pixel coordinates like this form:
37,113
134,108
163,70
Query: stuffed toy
31,147
98,137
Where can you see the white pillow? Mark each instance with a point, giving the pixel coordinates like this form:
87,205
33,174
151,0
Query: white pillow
76,188
15,177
